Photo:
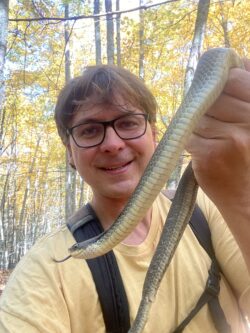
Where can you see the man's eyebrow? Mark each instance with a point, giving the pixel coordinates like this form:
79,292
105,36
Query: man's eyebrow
95,120
86,120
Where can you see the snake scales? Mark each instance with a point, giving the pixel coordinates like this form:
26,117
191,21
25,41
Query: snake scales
209,80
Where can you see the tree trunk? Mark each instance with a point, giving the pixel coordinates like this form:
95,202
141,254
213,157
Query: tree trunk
66,40
199,31
110,32
141,42
22,224
98,46
9,191
118,34
4,16
4,224
224,24
70,179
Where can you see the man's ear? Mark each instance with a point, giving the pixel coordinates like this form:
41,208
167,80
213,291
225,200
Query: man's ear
70,157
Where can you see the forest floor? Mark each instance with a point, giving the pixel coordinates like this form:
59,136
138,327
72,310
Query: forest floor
4,275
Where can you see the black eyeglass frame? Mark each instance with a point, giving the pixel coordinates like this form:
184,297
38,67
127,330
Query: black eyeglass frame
107,124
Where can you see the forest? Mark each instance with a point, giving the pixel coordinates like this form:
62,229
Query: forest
45,43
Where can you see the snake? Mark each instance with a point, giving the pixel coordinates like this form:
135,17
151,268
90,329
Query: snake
208,83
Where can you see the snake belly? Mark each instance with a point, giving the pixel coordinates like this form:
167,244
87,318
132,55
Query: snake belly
209,80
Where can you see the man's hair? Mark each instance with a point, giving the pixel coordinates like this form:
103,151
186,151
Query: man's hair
102,84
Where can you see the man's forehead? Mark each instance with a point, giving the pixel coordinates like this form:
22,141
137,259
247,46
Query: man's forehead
104,111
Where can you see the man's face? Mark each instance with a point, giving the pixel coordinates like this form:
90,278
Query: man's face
113,168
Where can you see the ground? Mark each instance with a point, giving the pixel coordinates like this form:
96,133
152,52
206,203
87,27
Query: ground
4,275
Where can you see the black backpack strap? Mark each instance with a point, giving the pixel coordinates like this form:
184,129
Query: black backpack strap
105,273
210,295
200,228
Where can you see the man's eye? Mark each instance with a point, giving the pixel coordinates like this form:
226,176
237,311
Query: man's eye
88,131
128,124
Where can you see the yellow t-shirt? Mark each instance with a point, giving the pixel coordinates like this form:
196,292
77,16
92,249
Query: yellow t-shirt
48,297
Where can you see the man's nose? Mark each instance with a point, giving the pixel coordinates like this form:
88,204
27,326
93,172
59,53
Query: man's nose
112,142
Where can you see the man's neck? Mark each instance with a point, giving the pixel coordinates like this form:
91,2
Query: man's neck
107,212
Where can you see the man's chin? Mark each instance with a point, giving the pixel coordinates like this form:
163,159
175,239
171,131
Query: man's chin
120,193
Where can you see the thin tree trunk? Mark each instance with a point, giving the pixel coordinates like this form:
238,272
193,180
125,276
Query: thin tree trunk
81,197
224,24
199,31
10,207
11,234
22,225
98,46
118,34
110,32
4,17
141,42
70,179
66,40
4,225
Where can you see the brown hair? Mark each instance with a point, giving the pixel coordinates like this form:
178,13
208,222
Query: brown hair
99,85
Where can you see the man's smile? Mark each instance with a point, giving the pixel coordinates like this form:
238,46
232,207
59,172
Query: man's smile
118,167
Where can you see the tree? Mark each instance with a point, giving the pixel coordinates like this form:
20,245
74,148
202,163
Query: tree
141,42
70,177
110,32
22,223
4,14
224,24
118,34
198,37
194,55
98,46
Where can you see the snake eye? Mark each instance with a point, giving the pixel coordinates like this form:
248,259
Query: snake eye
73,247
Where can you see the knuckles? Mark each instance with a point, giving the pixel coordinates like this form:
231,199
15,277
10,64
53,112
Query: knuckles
238,84
217,155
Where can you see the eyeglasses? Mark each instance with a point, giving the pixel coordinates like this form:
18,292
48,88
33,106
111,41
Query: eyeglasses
91,134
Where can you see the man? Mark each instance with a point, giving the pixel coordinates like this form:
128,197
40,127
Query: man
106,121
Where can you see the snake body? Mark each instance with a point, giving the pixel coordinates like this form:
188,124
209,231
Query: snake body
174,227
208,83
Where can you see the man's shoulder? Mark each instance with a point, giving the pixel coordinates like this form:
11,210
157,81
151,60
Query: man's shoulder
53,245
60,234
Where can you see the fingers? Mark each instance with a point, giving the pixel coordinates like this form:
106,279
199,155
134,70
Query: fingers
246,63
238,84
230,109
234,103
206,141
211,128
215,137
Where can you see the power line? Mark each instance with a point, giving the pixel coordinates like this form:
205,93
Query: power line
80,17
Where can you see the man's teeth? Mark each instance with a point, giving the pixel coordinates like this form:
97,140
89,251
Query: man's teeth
115,168
118,167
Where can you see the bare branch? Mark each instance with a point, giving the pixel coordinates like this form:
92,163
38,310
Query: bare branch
74,18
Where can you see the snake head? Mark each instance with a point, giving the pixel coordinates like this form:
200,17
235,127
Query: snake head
74,247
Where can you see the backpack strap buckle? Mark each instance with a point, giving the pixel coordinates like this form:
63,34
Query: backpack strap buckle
213,281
